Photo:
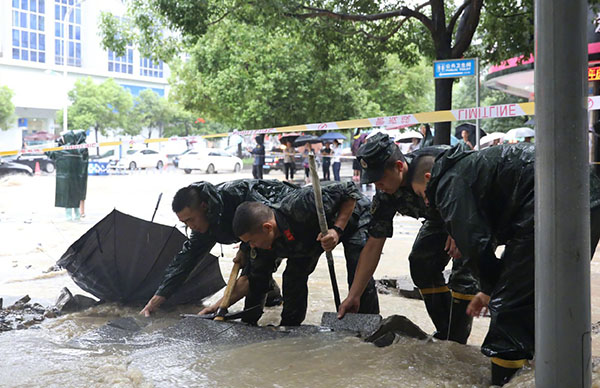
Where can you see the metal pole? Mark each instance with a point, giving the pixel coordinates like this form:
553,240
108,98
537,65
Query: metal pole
562,241
477,102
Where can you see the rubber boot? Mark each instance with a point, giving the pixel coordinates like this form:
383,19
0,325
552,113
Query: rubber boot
438,308
76,214
69,213
252,300
274,295
501,375
460,322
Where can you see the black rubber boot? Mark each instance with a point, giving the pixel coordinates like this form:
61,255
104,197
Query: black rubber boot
438,308
274,295
460,322
501,375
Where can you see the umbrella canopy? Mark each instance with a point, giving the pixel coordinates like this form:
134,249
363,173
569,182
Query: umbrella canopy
123,259
470,128
302,140
406,137
531,121
291,136
520,133
330,136
491,137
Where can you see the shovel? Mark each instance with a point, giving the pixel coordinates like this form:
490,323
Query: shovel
364,324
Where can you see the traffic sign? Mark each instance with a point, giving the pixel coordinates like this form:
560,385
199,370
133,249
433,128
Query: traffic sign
454,68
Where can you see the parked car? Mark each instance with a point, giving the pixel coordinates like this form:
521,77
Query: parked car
209,160
29,160
144,158
175,158
11,168
104,157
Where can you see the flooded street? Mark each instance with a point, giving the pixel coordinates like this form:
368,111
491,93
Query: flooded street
35,234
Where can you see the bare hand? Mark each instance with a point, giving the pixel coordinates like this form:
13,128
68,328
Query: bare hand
240,257
349,305
478,305
153,305
329,240
210,309
452,249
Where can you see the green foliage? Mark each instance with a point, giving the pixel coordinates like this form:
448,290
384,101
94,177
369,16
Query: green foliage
151,111
102,107
7,109
248,77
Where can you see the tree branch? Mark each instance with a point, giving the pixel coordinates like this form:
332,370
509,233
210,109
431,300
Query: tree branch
313,12
457,14
466,29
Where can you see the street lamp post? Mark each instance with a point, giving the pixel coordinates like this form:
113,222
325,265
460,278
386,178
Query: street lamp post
65,64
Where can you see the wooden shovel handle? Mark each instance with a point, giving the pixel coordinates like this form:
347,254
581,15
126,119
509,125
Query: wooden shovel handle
228,290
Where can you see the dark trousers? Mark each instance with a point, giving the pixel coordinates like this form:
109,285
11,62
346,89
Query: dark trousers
445,303
511,335
336,170
326,174
257,171
289,170
295,288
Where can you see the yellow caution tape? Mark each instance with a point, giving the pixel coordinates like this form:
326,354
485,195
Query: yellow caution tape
401,121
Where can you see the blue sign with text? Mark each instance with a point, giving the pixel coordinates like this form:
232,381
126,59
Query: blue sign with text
454,68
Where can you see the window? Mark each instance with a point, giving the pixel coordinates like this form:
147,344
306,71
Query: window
149,68
28,37
122,64
67,33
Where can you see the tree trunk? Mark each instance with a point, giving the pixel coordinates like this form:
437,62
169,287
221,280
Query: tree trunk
443,101
96,134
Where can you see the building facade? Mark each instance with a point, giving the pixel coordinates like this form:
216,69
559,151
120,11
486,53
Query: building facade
40,39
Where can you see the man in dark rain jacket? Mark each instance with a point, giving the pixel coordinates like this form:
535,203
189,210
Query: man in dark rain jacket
486,199
290,230
446,304
208,211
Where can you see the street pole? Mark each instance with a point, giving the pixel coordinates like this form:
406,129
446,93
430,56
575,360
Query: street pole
477,135
64,53
562,210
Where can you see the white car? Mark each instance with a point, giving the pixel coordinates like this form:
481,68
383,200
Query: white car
209,160
145,158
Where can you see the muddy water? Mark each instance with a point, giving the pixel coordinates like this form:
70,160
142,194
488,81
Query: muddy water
34,235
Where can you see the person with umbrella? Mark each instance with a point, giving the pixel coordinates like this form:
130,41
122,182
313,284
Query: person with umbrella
446,303
290,229
326,153
337,160
208,211
487,199
288,161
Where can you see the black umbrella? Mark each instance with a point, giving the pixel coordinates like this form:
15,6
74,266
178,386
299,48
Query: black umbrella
123,259
302,140
285,137
470,128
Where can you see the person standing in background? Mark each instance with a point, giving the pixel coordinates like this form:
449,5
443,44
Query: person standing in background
427,139
326,156
259,157
288,161
337,160
70,183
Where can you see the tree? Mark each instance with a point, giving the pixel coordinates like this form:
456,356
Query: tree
102,107
152,111
244,76
366,29
7,109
